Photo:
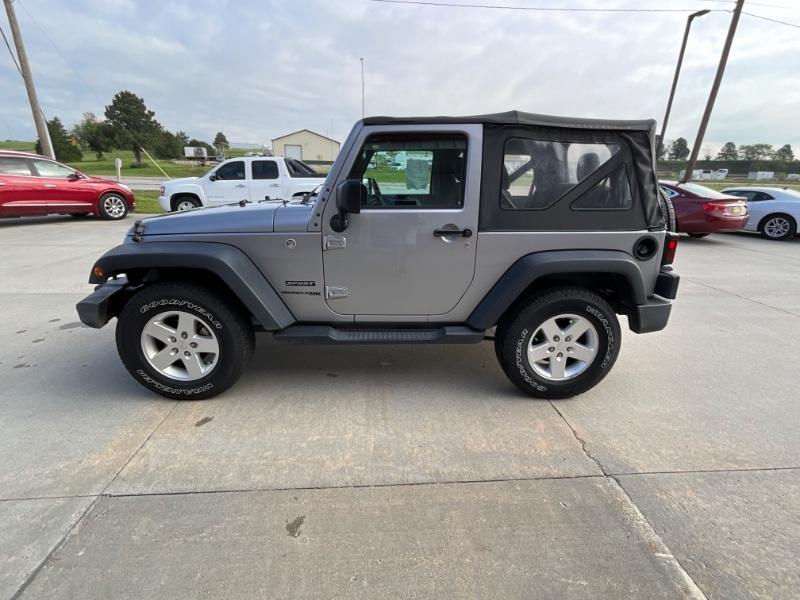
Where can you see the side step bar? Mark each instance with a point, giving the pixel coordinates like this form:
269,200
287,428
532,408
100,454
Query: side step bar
324,334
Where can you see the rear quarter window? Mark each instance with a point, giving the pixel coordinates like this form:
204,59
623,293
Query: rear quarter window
13,165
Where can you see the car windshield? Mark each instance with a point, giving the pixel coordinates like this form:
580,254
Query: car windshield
702,191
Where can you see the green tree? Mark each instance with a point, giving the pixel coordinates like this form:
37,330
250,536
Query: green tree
63,146
167,145
93,134
221,142
131,124
784,153
756,151
661,150
195,143
679,149
182,138
728,152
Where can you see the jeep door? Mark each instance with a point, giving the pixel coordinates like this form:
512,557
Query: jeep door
411,249
265,180
228,183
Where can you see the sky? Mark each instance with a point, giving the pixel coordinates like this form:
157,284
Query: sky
257,69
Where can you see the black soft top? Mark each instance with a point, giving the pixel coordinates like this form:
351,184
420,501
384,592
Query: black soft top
516,117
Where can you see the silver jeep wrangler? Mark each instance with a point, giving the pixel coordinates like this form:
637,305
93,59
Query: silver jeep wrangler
427,230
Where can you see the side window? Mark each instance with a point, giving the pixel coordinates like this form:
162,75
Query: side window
45,168
265,169
537,173
763,196
612,193
13,165
749,196
419,171
231,170
670,193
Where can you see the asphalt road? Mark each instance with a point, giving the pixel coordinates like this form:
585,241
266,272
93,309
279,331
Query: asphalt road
413,472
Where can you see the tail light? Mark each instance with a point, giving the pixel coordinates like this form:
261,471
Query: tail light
670,246
725,209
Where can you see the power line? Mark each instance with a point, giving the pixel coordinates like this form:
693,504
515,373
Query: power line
771,19
86,83
11,52
540,8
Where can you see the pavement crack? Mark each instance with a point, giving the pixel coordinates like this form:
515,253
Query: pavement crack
580,440
660,549
56,547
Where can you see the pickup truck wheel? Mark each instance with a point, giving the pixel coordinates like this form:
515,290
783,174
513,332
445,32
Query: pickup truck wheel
183,341
113,207
185,203
559,345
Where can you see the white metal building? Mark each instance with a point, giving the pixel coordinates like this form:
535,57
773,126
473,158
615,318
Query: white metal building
305,145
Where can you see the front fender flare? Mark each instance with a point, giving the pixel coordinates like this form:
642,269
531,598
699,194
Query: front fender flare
531,267
227,262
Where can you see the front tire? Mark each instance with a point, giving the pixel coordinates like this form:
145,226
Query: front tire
113,207
183,203
559,345
183,341
777,227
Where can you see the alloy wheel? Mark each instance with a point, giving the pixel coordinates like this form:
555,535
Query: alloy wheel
563,347
180,346
114,207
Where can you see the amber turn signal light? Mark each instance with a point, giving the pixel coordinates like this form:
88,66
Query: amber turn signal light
98,272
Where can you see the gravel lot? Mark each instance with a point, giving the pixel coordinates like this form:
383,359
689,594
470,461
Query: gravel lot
379,472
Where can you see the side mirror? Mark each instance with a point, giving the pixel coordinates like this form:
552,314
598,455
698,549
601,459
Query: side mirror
212,177
74,176
349,198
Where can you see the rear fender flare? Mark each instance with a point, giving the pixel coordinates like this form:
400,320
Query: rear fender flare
531,267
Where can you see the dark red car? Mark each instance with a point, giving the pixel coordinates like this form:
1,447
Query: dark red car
700,210
35,185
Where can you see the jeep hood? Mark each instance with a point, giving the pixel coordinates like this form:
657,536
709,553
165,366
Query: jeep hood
252,217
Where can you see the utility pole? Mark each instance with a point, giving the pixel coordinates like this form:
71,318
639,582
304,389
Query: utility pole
689,20
712,96
25,68
362,87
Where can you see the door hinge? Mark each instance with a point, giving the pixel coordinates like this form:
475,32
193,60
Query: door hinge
333,292
335,242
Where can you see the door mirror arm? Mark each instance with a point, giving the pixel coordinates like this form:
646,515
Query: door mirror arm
212,177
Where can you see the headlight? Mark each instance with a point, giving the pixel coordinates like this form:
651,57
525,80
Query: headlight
126,188
161,191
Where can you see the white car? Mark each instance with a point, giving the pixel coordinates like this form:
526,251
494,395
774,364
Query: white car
251,178
774,212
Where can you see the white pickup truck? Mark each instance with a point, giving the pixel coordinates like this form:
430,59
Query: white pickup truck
250,178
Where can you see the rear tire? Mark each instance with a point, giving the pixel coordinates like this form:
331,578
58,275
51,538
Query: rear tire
538,354
777,227
113,207
183,341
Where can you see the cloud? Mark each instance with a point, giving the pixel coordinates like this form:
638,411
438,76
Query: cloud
256,70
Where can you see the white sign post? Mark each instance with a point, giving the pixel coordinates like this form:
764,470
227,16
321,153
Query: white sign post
118,166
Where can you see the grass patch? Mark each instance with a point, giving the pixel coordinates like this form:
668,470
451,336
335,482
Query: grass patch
18,145
147,202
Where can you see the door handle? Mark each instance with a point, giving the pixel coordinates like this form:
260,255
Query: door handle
49,185
274,185
239,185
452,233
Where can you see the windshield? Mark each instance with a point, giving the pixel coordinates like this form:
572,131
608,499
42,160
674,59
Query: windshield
702,191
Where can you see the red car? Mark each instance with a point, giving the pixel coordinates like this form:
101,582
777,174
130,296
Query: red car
35,185
700,210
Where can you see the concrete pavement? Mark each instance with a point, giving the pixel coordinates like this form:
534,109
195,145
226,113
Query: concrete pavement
402,472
